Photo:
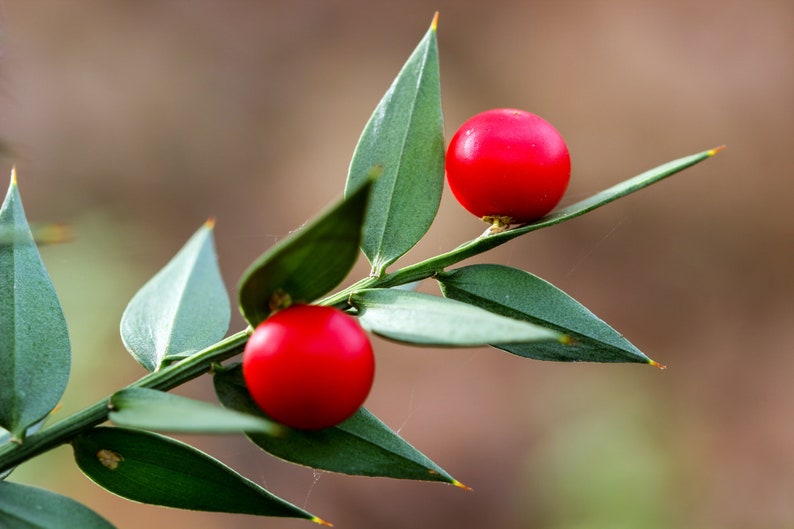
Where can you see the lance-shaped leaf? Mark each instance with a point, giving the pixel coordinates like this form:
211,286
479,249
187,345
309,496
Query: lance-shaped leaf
157,410
361,445
35,354
308,263
26,507
423,319
182,309
602,198
521,295
150,468
404,140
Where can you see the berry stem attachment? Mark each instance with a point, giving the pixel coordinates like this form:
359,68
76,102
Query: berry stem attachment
498,224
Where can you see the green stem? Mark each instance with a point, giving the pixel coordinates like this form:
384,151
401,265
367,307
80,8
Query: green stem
491,239
409,274
12,454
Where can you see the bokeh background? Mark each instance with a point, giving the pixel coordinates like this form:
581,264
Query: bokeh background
133,122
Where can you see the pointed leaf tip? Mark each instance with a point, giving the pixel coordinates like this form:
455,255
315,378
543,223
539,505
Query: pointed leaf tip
404,141
210,223
715,150
434,23
34,341
14,175
182,309
320,521
460,485
657,364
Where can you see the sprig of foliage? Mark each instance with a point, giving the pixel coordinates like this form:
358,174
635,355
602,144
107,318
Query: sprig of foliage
175,327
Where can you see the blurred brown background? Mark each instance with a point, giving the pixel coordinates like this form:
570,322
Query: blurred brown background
135,121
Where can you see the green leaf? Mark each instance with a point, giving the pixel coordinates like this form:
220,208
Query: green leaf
404,140
157,410
423,319
308,263
620,190
35,354
26,507
182,309
362,445
150,468
521,295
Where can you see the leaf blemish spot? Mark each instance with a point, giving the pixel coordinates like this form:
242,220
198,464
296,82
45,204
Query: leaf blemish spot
109,458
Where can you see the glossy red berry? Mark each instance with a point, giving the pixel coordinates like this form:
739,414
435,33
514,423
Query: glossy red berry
308,366
508,165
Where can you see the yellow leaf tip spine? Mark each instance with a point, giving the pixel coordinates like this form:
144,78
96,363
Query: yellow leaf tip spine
657,364
320,521
434,23
715,150
460,485
13,175
210,223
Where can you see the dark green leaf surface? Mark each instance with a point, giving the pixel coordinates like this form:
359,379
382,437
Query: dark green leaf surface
35,354
150,468
26,507
362,445
308,263
518,294
182,309
404,141
423,319
157,410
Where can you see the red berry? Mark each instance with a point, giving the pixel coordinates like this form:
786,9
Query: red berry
508,165
309,366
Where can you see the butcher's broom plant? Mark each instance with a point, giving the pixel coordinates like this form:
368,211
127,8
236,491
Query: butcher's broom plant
176,326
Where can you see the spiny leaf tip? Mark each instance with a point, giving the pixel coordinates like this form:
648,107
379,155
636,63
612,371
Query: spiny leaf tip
657,364
715,150
13,175
210,223
320,521
434,23
460,485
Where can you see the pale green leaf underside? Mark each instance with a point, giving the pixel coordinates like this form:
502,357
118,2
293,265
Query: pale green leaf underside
160,411
35,354
182,309
423,319
404,143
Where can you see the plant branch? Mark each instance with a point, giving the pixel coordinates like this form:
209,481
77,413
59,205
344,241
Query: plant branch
488,241
12,454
